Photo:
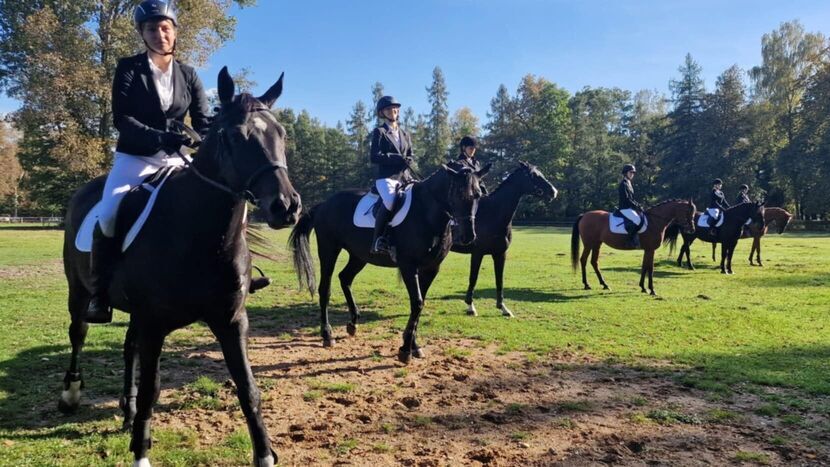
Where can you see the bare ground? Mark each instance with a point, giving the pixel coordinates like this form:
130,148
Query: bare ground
467,404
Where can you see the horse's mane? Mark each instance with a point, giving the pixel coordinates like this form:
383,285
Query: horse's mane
504,182
667,201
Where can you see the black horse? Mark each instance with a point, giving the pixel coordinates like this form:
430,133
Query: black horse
494,227
729,233
191,260
422,241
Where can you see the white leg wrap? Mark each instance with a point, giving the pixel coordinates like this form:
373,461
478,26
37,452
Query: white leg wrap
143,462
505,311
265,462
72,396
471,310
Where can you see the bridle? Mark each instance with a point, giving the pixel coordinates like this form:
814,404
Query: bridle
245,193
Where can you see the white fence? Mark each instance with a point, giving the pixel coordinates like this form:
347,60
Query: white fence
31,220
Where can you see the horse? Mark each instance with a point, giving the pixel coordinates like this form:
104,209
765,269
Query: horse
494,224
593,228
734,219
778,216
190,262
422,241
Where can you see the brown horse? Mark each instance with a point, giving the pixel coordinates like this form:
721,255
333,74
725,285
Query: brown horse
781,218
592,227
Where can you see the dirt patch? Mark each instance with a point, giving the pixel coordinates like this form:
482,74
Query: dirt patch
465,404
46,269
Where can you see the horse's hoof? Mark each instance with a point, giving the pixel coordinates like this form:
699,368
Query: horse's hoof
351,329
404,357
587,287
329,342
653,294
605,287
127,426
268,461
471,310
143,462
761,265
506,312
66,408
643,290
418,352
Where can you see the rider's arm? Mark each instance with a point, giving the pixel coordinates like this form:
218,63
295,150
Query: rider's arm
130,130
199,107
377,157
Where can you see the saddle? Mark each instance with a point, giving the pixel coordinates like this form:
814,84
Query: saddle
368,205
712,217
133,212
626,221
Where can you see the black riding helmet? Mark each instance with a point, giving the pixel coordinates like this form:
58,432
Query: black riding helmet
628,168
384,102
154,9
468,141
717,181
744,187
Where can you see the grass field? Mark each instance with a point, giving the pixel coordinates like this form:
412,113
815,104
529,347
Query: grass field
761,329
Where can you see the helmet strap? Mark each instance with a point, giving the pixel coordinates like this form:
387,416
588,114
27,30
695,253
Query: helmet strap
172,51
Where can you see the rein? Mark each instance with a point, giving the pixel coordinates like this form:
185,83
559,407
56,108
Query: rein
245,193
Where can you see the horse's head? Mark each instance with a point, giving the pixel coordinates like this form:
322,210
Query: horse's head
783,220
534,182
462,198
757,213
249,152
684,215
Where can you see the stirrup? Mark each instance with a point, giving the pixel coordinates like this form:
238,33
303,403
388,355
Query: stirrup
381,246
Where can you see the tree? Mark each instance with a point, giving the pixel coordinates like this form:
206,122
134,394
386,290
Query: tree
358,140
439,134
680,142
463,123
58,59
10,171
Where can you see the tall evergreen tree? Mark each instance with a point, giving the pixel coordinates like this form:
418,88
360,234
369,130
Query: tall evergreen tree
439,134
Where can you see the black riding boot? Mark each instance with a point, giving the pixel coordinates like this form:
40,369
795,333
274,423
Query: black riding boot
380,244
634,238
101,261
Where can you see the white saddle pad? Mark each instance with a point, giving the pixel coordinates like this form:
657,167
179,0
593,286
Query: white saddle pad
363,216
703,221
83,240
617,224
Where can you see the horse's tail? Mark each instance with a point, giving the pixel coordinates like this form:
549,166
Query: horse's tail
671,237
575,243
301,251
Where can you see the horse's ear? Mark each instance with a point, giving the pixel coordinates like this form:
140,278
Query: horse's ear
481,173
523,163
273,93
226,86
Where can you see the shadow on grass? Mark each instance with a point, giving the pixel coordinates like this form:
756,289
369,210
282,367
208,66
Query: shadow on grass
519,294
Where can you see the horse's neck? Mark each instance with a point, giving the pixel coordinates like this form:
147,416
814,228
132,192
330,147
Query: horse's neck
774,214
505,200
661,216
425,196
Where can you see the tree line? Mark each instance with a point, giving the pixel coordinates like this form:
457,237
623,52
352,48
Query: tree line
768,127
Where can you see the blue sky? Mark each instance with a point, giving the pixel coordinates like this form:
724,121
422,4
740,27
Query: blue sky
333,51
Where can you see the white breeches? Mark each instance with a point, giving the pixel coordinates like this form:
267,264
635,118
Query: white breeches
127,172
631,215
387,187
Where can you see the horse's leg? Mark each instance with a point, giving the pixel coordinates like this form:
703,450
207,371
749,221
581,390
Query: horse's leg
328,259
347,275
688,253
648,262
130,391
409,274
732,245
233,337
475,266
680,256
595,265
149,343
425,278
73,381
498,264
714,249
758,249
723,253
583,262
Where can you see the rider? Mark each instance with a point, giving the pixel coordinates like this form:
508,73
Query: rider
467,155
627,201
717,205
391,150
149,91
743,195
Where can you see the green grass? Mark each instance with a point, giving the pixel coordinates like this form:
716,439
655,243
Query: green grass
763,327
749,456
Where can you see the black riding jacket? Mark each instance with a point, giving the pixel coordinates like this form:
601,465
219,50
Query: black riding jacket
388,156
718,200
742,198
136,108
626,192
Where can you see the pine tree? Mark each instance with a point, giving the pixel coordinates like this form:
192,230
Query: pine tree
439,135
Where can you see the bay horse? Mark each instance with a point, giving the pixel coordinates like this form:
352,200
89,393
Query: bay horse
592,228
728,234
422,241
494,227
190,261
777,216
